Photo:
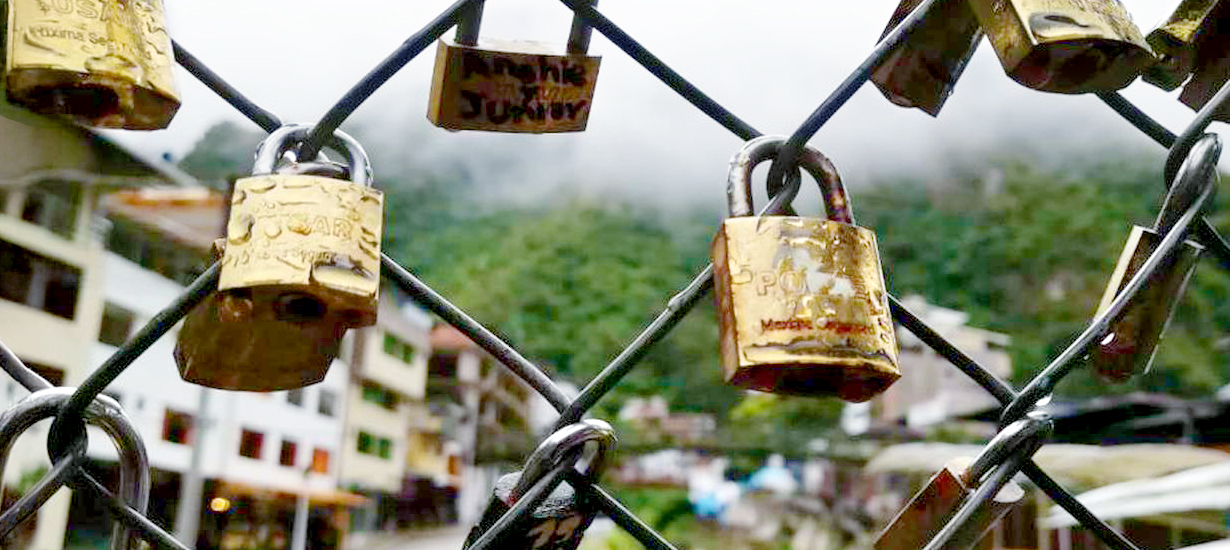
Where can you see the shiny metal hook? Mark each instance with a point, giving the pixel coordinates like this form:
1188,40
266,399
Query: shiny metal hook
103,412
288,138
757,150
565,441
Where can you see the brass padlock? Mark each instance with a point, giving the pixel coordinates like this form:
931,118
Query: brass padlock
1065,46
300,266
922,71
938,502
1176,41
1130,345
104,63
512,86
1212,69
801,301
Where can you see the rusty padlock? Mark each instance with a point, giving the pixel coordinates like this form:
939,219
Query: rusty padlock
512,86
1065,46
300,266
560,521
1176,41
1211,67
939,501
801,301
104,63
1130,345
922,71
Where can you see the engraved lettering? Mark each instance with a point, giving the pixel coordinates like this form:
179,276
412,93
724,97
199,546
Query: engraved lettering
519,90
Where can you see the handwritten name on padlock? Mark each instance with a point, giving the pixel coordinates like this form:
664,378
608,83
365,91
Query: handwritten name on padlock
524,90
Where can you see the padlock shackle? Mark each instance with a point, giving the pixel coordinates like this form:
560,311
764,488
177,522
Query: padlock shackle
1197,174
1017,437
755,151
578,37
569,439
105,413
288,138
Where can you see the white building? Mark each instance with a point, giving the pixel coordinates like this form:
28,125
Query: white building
262,447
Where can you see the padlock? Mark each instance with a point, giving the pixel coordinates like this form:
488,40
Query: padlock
1065,46
1131,343
1212,68
801,301
103,63
299,266
922,71
938,502
560,521
512,86
1176,41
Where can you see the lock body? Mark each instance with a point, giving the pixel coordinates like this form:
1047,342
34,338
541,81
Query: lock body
558,523
103,63
938,502
1131,344
1065,46
923,70
1211,72
803,308
511,86
1175,42
300,265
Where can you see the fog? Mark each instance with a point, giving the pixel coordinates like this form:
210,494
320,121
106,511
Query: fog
770,62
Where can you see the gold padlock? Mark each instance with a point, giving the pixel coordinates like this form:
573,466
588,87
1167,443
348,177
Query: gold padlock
1130,345
1176,41
300,266
103,63
922,71
801,301
512,86
1212,68
936,504
1065,46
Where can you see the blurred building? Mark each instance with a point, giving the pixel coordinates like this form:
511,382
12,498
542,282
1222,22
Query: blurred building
931,390
393,453
486,410
51,262
653,417
258,451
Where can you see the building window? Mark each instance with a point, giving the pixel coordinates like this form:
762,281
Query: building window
375,393
287,457
320,461
385,449
177,427
116,325
53,205
376,446
37,281
51,374
328,400
398,349
250,444
367,443
295,397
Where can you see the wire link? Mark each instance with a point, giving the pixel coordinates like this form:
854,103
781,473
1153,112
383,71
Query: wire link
1024,428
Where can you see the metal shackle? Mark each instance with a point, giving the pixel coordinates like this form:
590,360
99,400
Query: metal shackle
1023,436
1197,174
103,412
755,151
287,140
559,445
471,20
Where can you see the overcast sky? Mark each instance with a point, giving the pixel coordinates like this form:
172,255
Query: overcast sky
771,62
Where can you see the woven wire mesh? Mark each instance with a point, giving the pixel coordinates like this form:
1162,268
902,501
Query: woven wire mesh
1003,457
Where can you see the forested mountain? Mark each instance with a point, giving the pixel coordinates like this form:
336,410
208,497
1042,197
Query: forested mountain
1024,251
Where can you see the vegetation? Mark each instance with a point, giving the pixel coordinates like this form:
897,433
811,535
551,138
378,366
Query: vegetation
1024,251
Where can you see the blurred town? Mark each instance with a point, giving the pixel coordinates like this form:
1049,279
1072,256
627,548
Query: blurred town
405,437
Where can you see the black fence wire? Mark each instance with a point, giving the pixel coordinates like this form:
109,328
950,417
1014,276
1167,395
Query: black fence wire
1192,157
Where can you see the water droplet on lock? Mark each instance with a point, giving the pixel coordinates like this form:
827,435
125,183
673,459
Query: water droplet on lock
272,230
261,185
239,231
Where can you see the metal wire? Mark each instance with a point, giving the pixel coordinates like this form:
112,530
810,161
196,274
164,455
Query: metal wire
66,442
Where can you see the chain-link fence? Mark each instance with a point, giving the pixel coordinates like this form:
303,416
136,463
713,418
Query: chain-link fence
1192,159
